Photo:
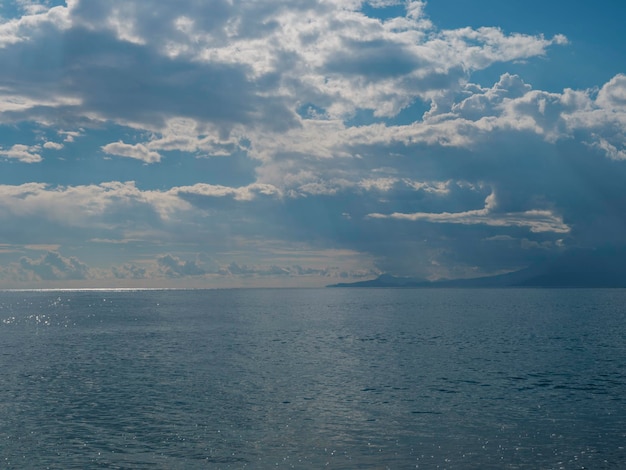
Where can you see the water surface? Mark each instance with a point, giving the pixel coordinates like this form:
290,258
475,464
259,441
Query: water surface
348,378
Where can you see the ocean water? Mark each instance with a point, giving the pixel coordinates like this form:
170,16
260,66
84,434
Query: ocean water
333,378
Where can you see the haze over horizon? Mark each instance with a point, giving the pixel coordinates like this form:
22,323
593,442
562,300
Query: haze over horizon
305,143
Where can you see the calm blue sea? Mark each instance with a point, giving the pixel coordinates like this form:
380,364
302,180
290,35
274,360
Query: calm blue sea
342,378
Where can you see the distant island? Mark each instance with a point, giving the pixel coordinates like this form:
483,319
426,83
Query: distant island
578,268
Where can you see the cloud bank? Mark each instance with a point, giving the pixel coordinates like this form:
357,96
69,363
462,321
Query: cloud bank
221,142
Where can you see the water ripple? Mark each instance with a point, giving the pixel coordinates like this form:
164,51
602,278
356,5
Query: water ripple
308,378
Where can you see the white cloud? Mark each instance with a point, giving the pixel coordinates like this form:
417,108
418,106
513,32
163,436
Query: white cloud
609,150
380,184
23,153
70,136
434,187
188,135
613,94
30,26
535,220
11,102
245,193
100,207
137,151
384,3
53,145
479,48
122,211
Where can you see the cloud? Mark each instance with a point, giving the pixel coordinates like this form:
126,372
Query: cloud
175,267
235,269
609,149
53,145
228,66
477,118
267,271
129,271
23,153
320,126
137,83
115,210
53,266
612,95
245,193
137,151
479,48
112,210
535,220
377,59
187,135
70,136
383,3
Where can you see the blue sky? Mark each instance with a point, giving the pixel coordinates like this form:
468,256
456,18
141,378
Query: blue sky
303,143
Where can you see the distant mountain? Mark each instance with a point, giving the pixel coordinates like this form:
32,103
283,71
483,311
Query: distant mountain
386,280
604,267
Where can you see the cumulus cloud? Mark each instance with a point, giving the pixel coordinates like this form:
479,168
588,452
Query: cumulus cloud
175,267
243,64
53,266
53,145
612,95
140,86
137,151
23,153
477,117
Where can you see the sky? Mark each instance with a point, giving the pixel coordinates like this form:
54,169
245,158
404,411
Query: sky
228,143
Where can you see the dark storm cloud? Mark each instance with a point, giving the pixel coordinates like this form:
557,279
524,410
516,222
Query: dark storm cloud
131,83
376,59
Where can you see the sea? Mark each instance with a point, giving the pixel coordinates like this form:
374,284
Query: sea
341,378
